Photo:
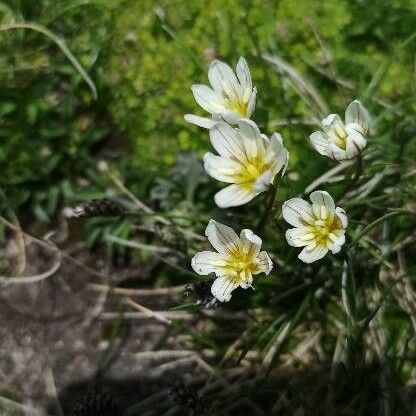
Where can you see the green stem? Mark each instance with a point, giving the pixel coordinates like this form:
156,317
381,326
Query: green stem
355,179
267,212
348,295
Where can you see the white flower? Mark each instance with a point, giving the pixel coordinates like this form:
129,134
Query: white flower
230,98
247,159
236,261
341,141
318,227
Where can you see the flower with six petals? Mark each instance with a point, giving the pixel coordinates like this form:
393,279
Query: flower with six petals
341,141
319,227
231,97
235,261
247,159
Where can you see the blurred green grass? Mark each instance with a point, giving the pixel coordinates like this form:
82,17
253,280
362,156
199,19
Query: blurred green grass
144,56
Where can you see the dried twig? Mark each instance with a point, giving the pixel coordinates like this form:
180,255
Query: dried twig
157,315
158,291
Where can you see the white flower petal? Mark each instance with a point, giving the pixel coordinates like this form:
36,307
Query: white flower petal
299,237
297,212
351,149
225,141
221,168
263,182
277,154
355,142
319,141
223,238
233,196
323,205
342,216
230,116
357,114
250,242
243,74
251,140
332,123
222,78
265,265
203,122
312,253
336,153
251,103
223,286
206,262
208,99
247,282
249,128
336,245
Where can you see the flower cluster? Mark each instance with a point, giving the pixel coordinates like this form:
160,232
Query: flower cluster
249,162
341,141
231,97
319,227
247,159
236,260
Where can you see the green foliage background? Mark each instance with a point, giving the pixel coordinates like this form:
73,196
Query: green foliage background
144,56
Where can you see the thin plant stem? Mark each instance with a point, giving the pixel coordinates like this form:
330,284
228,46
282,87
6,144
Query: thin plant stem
348,299
355,179
269,208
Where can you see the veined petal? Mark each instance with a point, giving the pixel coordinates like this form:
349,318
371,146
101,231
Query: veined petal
233,196
208,99
297,212
323,205
355,139
203,122
230,116
319,141
249,128
277,154
243,74
223,286
300,236
263,182
250,242
221,168
342,216
351,149
206,262
332,123
336,245
253,142
357,114
264,263
247,281
336,153
250,145
251,103
223,79
226,143
223,238
312,253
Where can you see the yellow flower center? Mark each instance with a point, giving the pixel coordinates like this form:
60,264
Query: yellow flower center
250,171
338,136
239,106
324,229
241,264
